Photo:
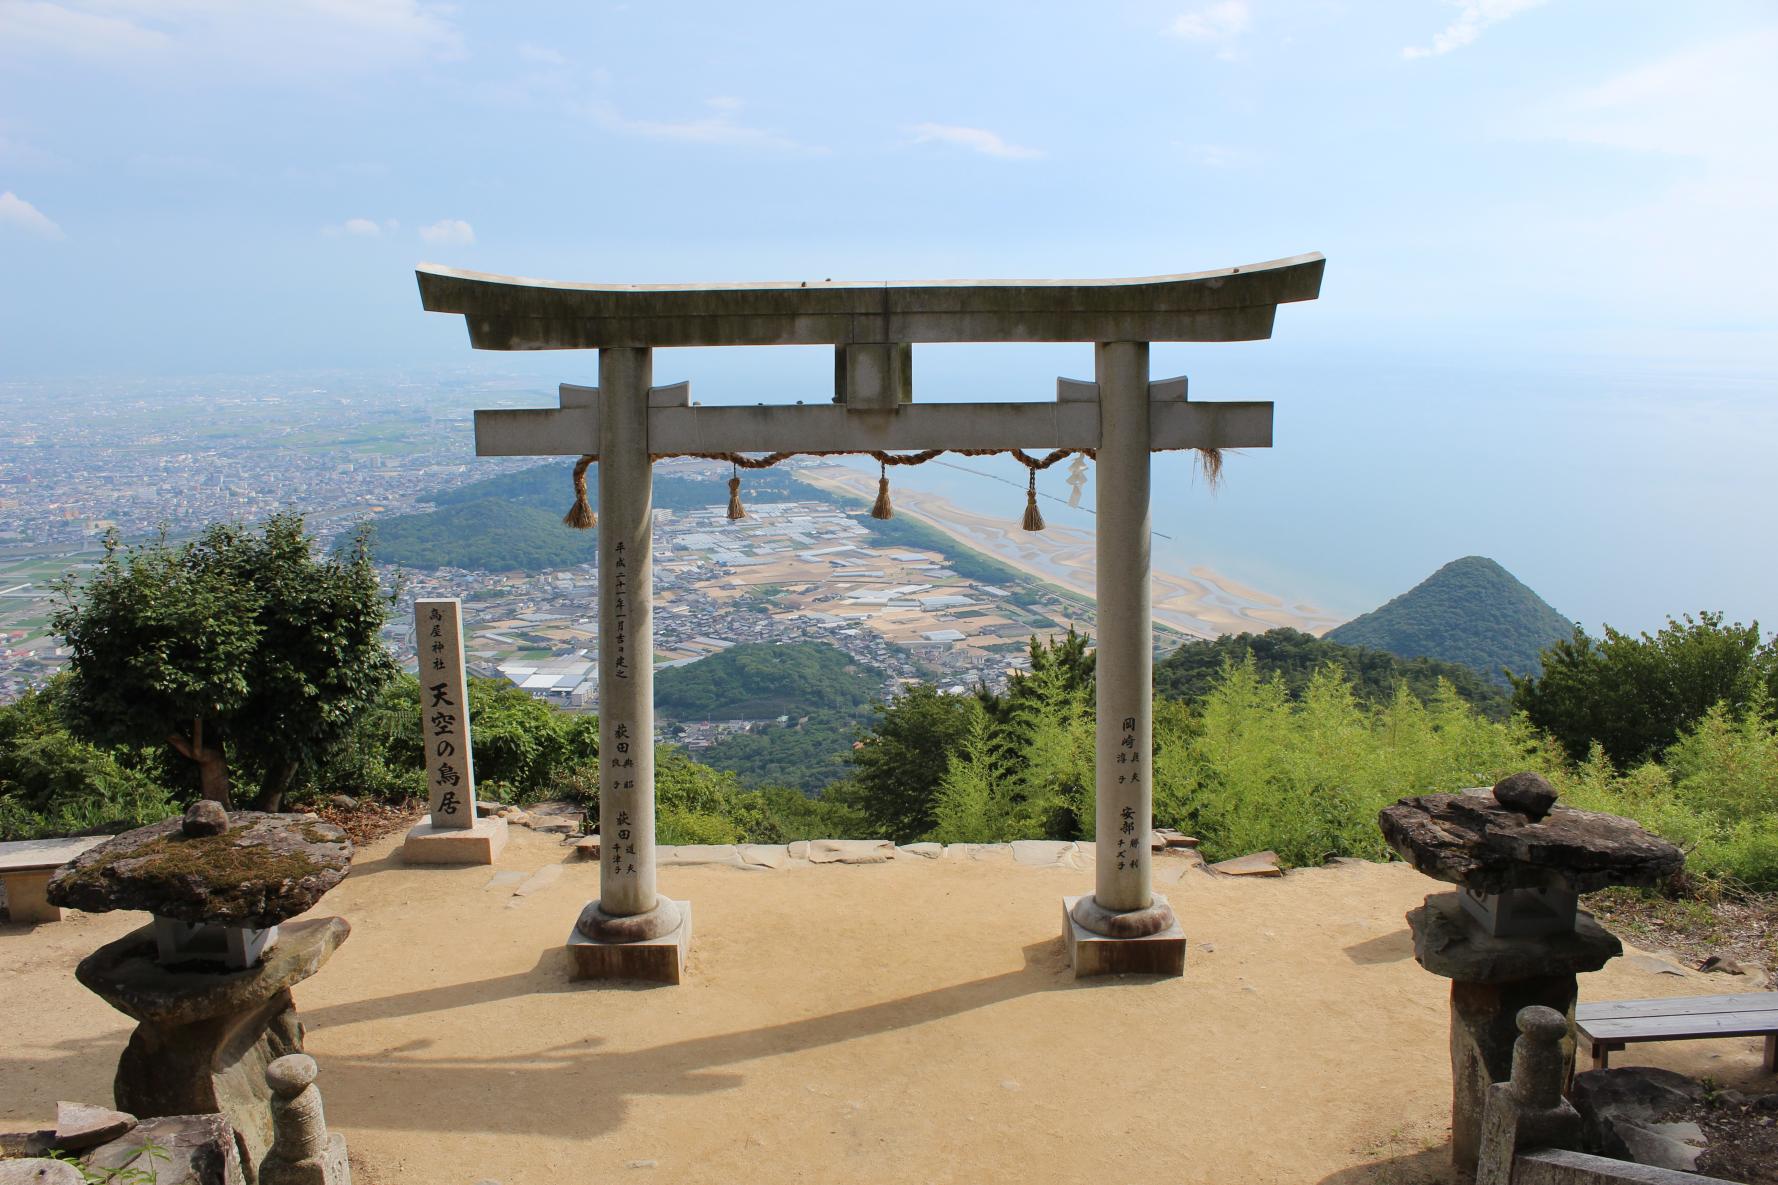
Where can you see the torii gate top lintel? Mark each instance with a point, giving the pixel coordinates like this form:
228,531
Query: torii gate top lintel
514,313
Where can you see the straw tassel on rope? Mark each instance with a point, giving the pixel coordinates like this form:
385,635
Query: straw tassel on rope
735,510
1210,462
882,509
580,516
1033,517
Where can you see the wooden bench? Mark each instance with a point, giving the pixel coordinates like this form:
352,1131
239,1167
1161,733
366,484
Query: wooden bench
25,869
1611,1025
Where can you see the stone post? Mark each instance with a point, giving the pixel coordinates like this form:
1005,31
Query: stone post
626,635
1123,926
630,932
1125,666
454,832
1529,1111
302,1153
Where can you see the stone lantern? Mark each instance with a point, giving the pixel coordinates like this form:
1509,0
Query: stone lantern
1512,936
208,979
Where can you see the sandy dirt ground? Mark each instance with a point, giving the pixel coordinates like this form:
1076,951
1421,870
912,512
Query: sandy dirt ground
1202,604
906,1022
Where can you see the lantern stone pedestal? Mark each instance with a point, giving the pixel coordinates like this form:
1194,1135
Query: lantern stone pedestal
205,1035
1511,937
1492,979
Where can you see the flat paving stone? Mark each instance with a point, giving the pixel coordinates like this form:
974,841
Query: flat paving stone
764,855
1043,853
542,879
686,855
851,851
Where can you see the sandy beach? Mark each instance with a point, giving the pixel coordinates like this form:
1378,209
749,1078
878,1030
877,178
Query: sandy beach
903,1022
1201,603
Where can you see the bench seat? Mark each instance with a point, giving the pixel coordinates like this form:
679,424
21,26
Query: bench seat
25,869
1610,1025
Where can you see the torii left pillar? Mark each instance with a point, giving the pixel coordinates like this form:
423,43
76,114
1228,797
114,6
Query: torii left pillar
630,931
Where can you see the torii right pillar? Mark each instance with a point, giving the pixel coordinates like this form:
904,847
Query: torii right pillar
1123,926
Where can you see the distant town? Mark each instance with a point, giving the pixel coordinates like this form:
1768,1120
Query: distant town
175,457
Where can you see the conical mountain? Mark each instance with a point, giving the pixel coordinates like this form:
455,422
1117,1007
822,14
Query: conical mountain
1471,611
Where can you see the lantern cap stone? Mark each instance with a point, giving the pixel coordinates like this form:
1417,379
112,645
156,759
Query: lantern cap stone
1473,839
264,869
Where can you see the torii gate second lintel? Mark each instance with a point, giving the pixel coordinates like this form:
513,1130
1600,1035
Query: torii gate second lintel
632,932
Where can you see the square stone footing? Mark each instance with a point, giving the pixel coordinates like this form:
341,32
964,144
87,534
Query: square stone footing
1095,954
656,960
480,844
27,897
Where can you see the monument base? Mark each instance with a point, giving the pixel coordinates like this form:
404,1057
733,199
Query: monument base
480,844
1095,954
651,960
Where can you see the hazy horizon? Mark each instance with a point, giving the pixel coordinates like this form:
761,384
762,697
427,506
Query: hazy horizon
1548,332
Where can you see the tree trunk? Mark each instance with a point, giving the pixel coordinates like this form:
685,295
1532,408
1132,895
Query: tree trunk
212,763
271,789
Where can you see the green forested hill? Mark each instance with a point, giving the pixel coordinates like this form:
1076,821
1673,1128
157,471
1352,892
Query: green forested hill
760,680
486,533
1193,669
1471,611
807,754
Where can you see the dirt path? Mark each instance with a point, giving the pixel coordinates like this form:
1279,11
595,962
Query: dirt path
907,1022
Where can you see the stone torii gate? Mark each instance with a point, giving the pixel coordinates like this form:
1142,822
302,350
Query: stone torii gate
631,931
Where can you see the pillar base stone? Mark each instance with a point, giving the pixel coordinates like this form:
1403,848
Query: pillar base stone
1094,954
480,844
649,960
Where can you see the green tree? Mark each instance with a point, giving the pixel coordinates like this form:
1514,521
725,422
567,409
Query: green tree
1635,695
53,783
240,650
904,757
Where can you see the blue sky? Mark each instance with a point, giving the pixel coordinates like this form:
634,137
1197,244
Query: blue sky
1549,329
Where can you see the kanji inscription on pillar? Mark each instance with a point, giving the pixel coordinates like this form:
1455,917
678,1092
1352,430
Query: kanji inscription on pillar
444,712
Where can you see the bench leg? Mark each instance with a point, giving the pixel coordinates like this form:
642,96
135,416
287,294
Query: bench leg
1772,1053
1602,1054
27,898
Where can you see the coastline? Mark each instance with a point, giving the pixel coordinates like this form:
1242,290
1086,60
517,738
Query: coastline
1200,604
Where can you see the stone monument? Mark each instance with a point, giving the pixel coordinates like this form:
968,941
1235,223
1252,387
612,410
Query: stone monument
1512,936
627,422
452,832
209,979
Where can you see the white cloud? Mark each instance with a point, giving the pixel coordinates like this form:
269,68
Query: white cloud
1219,22
975,139
363,227
287,40
1472,17
449,232
15,211
721,128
